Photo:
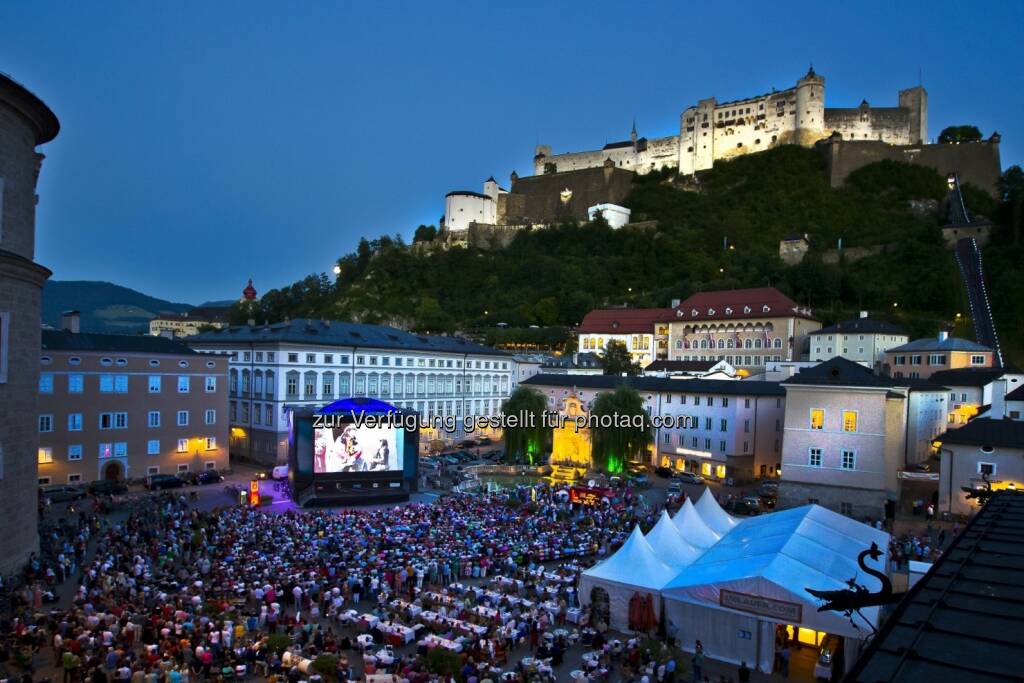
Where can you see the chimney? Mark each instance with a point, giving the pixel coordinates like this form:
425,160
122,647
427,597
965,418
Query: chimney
943,335
71,321
863,314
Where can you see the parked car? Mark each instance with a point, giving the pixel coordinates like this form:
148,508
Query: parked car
747,506
689,478
107,487
637,467
665,472
208,477
640,480
156,482
279,472
62,493
675,488
768,488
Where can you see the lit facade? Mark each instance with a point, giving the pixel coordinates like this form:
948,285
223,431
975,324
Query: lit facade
312,362
123,407
922,358
643,331
862,340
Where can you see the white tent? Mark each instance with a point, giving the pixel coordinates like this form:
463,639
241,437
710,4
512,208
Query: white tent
693,527
757,576
669,545
720,521
633,568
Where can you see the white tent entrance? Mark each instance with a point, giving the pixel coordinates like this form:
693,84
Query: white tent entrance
756,577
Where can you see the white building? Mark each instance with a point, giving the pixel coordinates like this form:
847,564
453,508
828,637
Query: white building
863,340
463,207
733,430
644,331
312,362
616,216
972,389
983,449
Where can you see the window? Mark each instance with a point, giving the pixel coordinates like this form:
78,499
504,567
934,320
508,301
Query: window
120,449
915,360
746,426
987,468
211,384
849,420
183,445
721,446
270,415
848,460
814,457
211,443
182,467
977,360
74,422
106,420
153,418
292,385
120,420
183,384
154,384
45,456
153,470
46,423
270,356
153,447
183,418
310,357
75,452
846,509
936,359
210,417
75,384
293,358
817,418
46,383
106,450
106,384
724,426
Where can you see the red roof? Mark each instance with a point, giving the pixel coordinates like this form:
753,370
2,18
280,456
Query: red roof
624,320
739,303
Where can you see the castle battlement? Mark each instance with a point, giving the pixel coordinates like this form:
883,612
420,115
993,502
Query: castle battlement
712,130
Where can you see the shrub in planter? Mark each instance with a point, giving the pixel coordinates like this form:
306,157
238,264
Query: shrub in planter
326,665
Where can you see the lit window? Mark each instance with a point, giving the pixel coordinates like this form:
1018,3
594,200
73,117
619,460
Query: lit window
211,443
817,418
45,456
183,445
211,385
46,383
106,450
75,384
849,420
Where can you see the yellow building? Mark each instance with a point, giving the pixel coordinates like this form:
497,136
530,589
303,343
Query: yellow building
571,447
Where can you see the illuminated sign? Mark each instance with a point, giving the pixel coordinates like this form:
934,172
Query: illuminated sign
588,496
254,492
786,612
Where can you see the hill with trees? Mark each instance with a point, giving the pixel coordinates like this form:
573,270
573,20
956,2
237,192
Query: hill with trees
104,306
719,231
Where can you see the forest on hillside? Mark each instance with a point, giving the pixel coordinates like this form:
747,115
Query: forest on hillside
719,232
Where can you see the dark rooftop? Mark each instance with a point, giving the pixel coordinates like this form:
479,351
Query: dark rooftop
1016,395
862,326
963,620
969,377
842,373
726,387
335,333
985,431
681,366
55,340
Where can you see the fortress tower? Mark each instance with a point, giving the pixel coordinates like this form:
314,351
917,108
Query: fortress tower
809,117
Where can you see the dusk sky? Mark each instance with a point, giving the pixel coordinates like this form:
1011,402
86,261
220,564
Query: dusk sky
203,143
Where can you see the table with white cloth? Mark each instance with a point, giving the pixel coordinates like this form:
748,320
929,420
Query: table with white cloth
404,633
573,614
439,597
551,607
431,641
368,620
348,616
486,612
403,606
364,640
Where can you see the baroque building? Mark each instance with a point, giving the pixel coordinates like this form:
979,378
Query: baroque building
25,123
711,130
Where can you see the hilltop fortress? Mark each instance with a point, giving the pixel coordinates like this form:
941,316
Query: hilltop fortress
714,130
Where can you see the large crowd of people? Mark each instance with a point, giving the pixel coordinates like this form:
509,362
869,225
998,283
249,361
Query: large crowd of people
438,592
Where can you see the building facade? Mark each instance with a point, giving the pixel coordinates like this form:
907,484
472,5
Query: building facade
711,130
983,452
644,332
862,340
121,407
971,390
850,432
187,324
25,123
274,368
747,328
723,429
922,358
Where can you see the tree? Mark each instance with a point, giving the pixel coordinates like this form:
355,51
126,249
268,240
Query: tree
425,233
953,134
620,428
524,443
617,360
1011,189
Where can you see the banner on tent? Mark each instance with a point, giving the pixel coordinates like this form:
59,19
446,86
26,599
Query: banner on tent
788,612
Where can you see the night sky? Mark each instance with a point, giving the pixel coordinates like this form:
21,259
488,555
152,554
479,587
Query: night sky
203,143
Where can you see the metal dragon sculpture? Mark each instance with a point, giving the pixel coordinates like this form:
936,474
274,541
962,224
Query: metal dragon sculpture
851,600
979,494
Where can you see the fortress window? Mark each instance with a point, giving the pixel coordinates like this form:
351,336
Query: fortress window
739,144
689,149
757,141
774,138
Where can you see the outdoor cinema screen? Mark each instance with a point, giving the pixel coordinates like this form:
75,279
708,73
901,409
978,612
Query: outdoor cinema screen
353,448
